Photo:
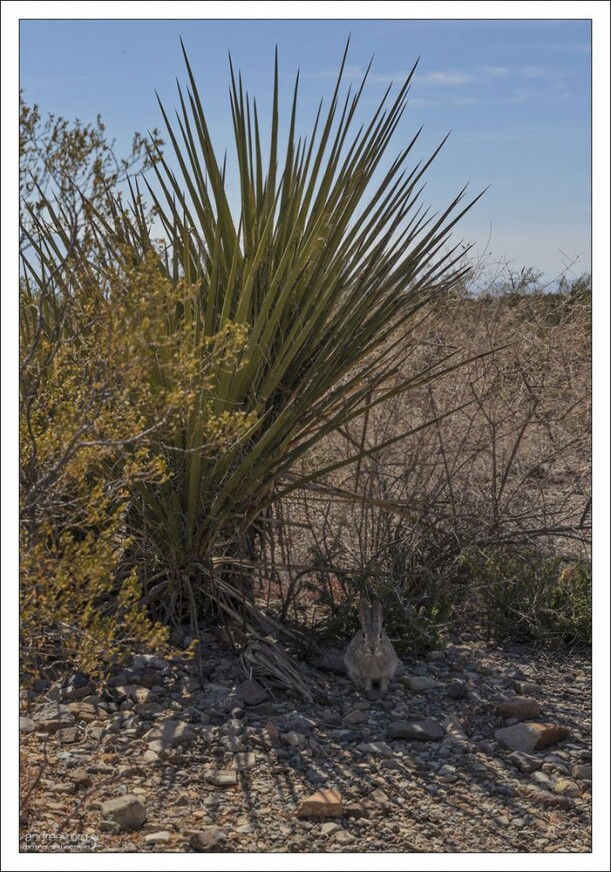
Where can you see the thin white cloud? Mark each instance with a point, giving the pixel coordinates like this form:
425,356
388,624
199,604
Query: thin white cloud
446,78
541,72
495,71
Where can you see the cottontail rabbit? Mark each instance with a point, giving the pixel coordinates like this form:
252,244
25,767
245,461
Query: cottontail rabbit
370,656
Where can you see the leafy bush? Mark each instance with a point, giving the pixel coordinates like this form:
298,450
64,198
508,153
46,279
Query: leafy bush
524,596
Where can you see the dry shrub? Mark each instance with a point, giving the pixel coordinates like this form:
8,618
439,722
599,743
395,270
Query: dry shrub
508,471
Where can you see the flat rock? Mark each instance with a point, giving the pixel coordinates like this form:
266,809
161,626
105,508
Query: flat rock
244,760
520,708
171,732
26,725
525,762
550,800
222,777
330,660
419,683
529,737
343,837
208,840
425,730
330,828
53,717
252,693
323,803
155,838
128,811
148,709
582,771
88,711
68,735
527,687
357,716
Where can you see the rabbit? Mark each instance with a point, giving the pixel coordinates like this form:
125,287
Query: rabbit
370,656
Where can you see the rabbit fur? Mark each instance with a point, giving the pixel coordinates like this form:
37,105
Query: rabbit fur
370,656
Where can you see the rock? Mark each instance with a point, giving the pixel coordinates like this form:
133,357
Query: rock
582,771
208,840
150,756
52,718
128,811
245,829
68,735
323,803
232,727
543,779
355,810
244,760
330,828
80,778
457,689
222,777
375,749
527,687
330,660
89,711
270,735
550,800
426,730
142,695
171,732
419,683
529,737
155,838
455,734
297,722
355,717
26,725
343,837
148,709
150,661
525,762
520,708
295,740
252,693
77,687
566,787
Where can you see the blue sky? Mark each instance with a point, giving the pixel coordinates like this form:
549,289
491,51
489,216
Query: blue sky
515,94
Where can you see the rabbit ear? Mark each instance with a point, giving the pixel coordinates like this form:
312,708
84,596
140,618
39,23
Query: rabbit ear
377,616
364,612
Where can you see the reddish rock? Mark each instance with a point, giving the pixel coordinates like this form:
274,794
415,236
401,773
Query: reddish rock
323,803
550,800
520,708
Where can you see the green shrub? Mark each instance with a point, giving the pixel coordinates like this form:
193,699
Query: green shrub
524,596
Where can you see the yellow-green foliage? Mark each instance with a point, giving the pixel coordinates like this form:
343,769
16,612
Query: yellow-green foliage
111,374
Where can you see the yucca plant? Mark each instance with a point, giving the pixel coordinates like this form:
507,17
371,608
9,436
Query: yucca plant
322,270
